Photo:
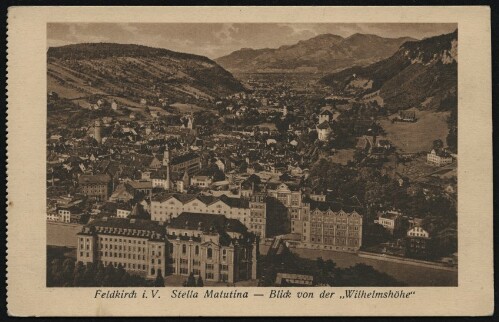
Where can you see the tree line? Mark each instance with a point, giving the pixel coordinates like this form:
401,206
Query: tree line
69,273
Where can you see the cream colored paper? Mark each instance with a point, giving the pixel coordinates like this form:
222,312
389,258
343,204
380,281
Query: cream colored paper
26,291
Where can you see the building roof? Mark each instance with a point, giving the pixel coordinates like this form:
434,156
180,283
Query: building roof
94,178
234,202
207,222
182,197
334,206
140,184
389,215
206,199
184,157
126,227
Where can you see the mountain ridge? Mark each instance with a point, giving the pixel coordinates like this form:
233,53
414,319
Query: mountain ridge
322,53
421,73
137,72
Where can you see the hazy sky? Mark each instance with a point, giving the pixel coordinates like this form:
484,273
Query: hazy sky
218,39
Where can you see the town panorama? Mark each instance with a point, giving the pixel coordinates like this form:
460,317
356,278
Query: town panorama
327,161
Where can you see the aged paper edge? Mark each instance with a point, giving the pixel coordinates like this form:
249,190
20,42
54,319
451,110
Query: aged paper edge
26,291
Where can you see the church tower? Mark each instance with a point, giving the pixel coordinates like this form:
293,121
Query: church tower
97,131
190,122
166,157
166,163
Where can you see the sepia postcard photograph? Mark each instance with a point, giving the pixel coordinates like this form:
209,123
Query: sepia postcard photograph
255,160
252,154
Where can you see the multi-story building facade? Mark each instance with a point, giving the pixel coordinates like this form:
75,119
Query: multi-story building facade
190,162
391,220
211,246
292,199
328,226
258,215
98,186
252,214
140,246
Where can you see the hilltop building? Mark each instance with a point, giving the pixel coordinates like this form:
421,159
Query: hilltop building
438,157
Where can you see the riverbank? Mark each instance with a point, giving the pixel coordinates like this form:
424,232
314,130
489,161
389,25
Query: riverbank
405,272
408,261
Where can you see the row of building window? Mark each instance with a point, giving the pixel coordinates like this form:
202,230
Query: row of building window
121,255
120,240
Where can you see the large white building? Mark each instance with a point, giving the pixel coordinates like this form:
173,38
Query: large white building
438,158
251,213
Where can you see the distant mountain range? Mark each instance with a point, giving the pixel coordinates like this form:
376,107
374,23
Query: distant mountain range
420,74
324,53
135,72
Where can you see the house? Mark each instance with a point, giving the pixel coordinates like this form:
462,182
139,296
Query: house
418,243
407,116
390,220
271,141
417,231
190,162
385,144
70,214
438,157
98,186
202,181
160,179
139,188
323,131
326,115
293,279
121,194
124,210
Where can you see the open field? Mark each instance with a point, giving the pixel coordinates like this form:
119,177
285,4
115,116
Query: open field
418,136
186,108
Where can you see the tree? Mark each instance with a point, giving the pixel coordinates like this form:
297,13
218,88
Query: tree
89,275
452,135
108,275
438,144
55,273
191,280
200,281
326,271
99,275
78,276
159,281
